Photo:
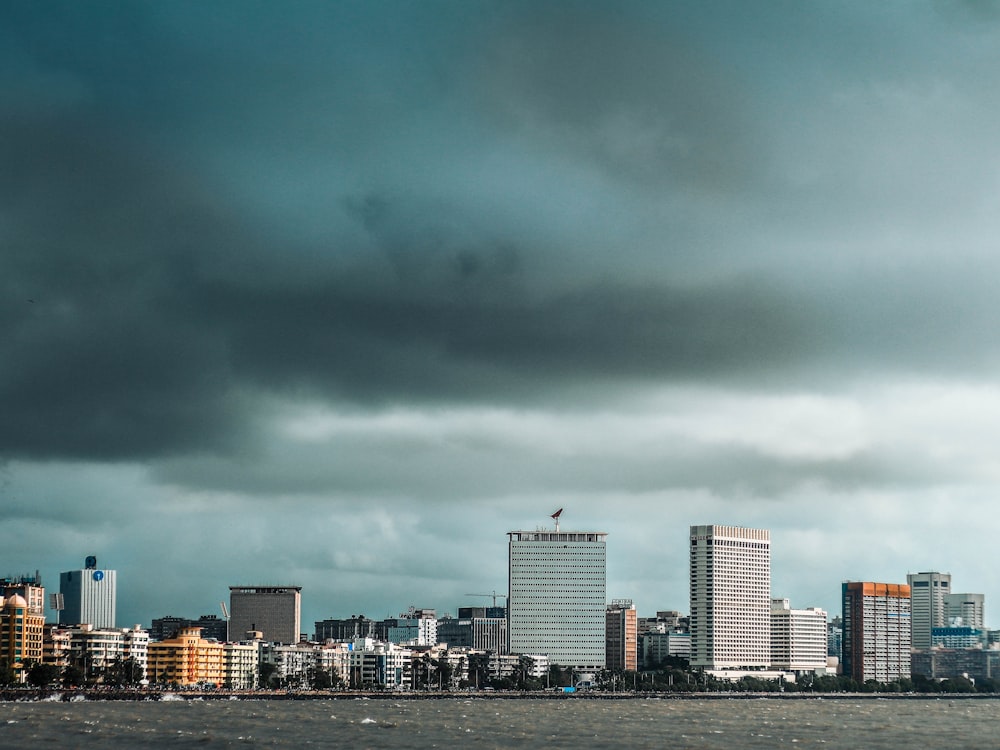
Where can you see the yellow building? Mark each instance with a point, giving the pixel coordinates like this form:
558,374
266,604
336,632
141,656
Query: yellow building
20,634
186,659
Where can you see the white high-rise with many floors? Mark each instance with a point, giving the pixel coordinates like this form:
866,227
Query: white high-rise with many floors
558,582
798,637
730,597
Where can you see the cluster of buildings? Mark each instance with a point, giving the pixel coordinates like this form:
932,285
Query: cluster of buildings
557,613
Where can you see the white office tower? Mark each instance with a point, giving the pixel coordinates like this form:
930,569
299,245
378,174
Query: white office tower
89,596
927,611
558,582
965,610
730,597
798,638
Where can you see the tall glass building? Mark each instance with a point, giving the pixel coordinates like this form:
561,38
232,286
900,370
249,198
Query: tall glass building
557,598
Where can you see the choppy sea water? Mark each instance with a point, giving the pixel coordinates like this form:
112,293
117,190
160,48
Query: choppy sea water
492,723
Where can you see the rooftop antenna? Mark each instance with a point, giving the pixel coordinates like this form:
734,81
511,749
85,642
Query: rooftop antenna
555,517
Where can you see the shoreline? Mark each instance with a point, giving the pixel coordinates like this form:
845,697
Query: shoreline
155,696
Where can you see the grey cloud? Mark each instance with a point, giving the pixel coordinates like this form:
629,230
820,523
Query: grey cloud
600,83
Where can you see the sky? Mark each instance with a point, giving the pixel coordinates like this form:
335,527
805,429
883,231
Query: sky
336,294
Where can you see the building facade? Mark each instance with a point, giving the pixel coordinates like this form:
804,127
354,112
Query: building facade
187,659
927,605
655,647
29,587
20,635
99,652
478,633
730,584
274,611
798,638
621,650
876,631
557,597
967,610
945,663
89,596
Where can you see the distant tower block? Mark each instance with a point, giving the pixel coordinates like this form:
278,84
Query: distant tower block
274,611
556,606
89,596
730,597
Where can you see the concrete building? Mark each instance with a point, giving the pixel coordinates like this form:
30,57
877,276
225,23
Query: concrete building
958,637
349,628
240,665
557,598
477,633
275,611
945,663
415,627
98,651
366,663
89,596
27,586
20,635
730,584
927,610
187,659
212,627
655,646
55,645
666,621
965,610
798,638
835,638
876,636
621,636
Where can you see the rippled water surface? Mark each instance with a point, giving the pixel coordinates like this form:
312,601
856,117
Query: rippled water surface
494,723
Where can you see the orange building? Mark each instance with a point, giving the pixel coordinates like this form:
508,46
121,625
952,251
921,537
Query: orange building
876,622
186,659
621,636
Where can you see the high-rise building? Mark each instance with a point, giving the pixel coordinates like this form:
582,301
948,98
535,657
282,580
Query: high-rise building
556,602
621,636
730,597
274,611
967,608
798,637
927,611
89,596
876,636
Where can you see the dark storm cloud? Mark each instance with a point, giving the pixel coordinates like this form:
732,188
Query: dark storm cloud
156,276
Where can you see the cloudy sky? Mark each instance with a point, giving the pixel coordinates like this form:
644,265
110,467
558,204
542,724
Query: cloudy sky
336,294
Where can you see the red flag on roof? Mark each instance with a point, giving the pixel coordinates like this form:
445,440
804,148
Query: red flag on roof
557,513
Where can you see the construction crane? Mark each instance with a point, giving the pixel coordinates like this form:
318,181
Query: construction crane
494,594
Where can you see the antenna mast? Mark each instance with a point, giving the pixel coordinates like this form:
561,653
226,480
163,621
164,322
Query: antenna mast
555,517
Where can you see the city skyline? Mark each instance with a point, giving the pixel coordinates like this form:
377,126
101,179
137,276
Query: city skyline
336,295
450,608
